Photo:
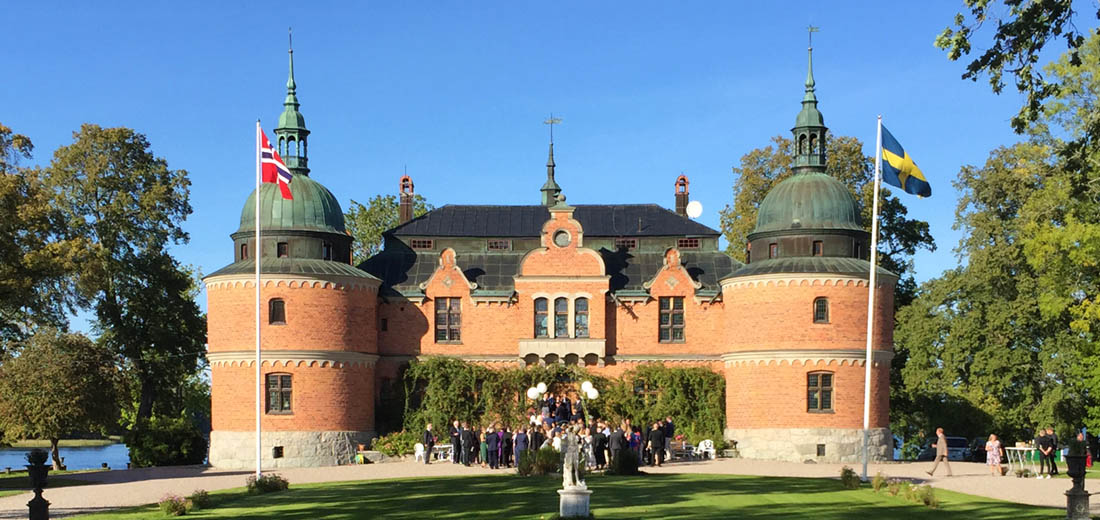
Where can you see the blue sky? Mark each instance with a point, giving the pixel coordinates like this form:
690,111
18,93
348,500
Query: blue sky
457,91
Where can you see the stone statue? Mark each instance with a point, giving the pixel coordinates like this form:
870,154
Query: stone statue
570,447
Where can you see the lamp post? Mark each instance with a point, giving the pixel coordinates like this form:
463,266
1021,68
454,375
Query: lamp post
589,391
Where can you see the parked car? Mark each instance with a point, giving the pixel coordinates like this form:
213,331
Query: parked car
977,449
958,449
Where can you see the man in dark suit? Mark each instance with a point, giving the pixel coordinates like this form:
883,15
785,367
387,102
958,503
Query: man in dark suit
670,434
562,415
456,441
429,443
550,405
1050,451
493,441
522,442
599,446
466,443
616,442
656,445
505,447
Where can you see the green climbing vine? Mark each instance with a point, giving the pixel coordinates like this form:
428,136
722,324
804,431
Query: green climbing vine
440,389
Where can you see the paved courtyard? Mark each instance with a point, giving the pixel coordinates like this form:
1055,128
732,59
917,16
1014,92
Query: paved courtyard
121,488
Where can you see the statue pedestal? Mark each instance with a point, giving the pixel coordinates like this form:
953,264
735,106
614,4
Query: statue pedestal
1077,504
574,502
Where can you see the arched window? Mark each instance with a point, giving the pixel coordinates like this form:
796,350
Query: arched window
282,146
813,144
819,392
802,144
580,317
291,147
541,319
821,310
276,312
278,393
818,248
561,318
244,251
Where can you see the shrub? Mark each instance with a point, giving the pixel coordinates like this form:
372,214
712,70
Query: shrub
266,484
893,487
625,463
547,460
849,478
927,496
878,482
166,441
525,464
200,498
174,505
396,443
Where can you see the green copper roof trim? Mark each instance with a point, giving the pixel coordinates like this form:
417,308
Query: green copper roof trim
810,115
550,190
295,266
808,201
811,265
291,118
313,208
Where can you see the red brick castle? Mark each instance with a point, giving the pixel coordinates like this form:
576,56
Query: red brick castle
603,286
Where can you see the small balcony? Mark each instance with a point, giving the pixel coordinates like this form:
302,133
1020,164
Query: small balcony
570,351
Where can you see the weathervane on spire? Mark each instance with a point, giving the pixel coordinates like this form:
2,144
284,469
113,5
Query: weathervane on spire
552,121
290,38
811,30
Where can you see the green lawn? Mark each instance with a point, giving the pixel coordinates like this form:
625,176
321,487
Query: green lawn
18,482
652,496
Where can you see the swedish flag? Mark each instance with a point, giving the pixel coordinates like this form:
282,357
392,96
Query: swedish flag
898,169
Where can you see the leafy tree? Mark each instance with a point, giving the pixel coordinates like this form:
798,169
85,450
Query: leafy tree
1023,32
899,236
57,384
34,265
110,190
367,223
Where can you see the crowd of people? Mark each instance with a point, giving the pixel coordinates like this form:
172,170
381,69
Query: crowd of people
1045,443
499,445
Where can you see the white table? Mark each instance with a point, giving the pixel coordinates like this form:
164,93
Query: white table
442,451
1021,456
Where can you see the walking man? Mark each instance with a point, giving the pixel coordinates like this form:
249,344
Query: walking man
941,453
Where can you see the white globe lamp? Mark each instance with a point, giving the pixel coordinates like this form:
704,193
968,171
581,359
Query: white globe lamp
532,393
586,387
542,388
593,394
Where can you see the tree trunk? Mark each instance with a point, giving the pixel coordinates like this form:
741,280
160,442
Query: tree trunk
56,454
147,395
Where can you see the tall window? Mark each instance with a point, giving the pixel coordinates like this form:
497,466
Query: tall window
580,317
541,319
859,249
278,393
819,391
561,318
448,319
773,250
326,251
672,319
244,251
821,310
281,250
276,312
818,248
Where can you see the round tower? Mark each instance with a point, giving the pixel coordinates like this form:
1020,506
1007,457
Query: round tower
795,368
317,325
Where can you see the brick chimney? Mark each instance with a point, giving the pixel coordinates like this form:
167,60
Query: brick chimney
681,195
405,207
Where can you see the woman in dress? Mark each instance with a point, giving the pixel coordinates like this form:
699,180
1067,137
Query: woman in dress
484,450
993,455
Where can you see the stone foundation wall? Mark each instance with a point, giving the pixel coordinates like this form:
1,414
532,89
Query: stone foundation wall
800,444
237,450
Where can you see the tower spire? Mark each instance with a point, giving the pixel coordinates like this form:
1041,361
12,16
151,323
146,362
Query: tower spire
550,190
809,129
292,133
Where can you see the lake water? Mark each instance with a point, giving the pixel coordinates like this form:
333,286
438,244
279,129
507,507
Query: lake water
91,457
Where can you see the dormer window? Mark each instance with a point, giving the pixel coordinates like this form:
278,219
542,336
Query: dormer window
326,251
281,250
818,249
421,243
244,251
499,245
626,243
687,243
773,250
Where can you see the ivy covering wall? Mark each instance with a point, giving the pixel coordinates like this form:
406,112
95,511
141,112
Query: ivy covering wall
441,389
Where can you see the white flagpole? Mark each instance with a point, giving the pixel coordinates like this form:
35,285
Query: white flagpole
259,253
871,299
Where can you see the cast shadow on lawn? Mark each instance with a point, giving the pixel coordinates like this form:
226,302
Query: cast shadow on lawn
653,496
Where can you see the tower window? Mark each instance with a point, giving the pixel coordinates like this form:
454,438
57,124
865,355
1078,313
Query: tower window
813,143
821,310
671,323
802,144
421,243
818,250
499,245
276,312
541,319
561,318
448,319
326,251
819,392
281,250
859,249
580,318
687,243
626,243
773,250
244,251
278,393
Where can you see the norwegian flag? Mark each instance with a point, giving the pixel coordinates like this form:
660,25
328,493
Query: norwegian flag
272,167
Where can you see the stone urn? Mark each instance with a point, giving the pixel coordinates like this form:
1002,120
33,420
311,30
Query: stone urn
1075,468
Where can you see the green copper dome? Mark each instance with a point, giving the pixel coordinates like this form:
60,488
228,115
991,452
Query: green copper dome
808,201
313,208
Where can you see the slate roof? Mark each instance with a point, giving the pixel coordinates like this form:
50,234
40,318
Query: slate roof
810,264
302,266
605,220
402,271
